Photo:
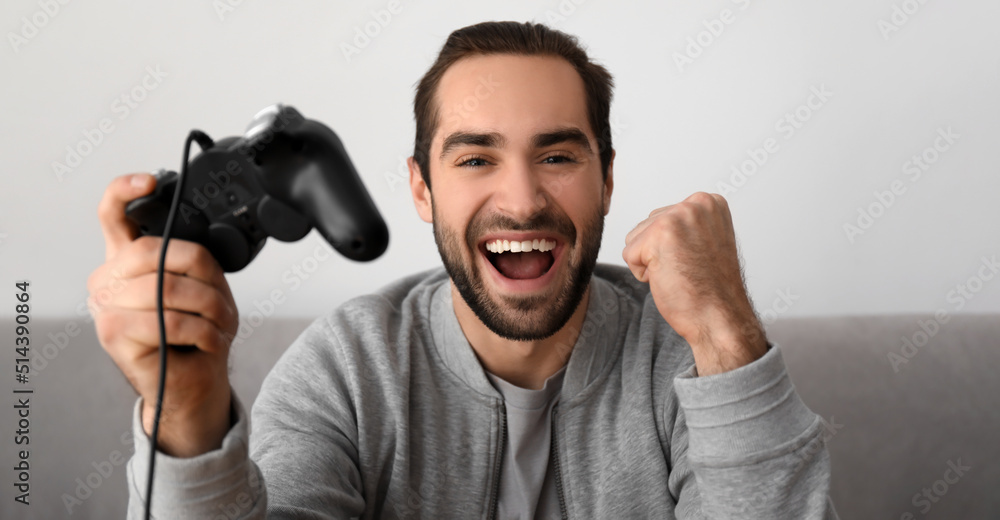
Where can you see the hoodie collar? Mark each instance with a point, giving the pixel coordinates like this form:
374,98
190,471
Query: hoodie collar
597,346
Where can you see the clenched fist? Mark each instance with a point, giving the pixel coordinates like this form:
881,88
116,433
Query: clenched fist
687,253
198,310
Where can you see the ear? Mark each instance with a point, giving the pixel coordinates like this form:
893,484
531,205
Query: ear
420,191
609,183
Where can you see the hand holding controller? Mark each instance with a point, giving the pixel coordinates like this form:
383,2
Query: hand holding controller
286,175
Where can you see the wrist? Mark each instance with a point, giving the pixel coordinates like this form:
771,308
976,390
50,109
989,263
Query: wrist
185,433
727,342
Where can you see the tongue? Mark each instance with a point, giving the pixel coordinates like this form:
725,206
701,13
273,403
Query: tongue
521,266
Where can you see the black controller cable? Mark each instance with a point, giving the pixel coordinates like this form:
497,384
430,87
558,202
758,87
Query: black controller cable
205,142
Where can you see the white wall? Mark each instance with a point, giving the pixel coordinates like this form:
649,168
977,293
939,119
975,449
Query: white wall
678,131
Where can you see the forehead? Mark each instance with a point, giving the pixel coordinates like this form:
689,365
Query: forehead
513,95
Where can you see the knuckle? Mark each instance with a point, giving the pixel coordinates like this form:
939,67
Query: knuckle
106,209
147,245
201,329
108,326
184,328
627,254
145,285
146,324
178,328
668,224
175,322
701,197
689,212
102,298
218,339
173,288
226,337
218,307
200,255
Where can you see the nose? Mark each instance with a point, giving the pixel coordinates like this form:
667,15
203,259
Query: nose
519,192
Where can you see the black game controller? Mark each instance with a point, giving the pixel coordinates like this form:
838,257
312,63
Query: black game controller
286,175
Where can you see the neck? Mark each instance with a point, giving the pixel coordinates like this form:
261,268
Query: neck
523,363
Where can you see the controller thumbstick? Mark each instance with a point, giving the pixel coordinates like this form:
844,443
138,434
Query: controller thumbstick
281,221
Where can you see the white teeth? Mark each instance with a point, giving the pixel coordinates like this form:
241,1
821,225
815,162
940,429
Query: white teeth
520,246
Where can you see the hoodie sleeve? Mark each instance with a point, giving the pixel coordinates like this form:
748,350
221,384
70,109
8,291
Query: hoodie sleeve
748,447
221,482
301,463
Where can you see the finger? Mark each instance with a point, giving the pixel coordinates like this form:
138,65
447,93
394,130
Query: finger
639,272
633,257
143,328
700,198
724,205
657,211
720,200
645,223
118,230
638,229
183,258
180,293
96,280
140,365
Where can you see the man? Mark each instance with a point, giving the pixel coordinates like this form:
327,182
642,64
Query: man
521,381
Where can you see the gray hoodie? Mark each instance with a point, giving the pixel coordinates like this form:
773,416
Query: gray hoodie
380,409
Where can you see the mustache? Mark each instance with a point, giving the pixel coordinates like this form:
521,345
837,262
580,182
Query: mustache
548,220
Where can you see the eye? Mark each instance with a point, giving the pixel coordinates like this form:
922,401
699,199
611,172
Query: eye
473,162
558,159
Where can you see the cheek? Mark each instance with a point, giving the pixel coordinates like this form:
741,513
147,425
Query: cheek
457,206
581,201
453,217
453,222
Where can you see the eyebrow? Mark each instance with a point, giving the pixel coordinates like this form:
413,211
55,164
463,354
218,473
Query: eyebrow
496,140
562,135
487,140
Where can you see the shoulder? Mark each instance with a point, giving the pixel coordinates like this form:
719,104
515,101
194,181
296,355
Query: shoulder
365,326
401,300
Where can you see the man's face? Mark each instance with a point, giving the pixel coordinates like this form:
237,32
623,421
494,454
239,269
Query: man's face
518,200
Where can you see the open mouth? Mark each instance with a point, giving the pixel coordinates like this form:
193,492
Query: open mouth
521,258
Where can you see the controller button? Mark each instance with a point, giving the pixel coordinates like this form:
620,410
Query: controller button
229,246
281,221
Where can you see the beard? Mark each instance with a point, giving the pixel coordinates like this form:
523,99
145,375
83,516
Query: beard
522,318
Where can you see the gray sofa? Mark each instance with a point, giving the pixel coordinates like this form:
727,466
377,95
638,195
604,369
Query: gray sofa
920,437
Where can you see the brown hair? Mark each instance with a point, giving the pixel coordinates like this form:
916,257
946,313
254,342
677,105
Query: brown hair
527,39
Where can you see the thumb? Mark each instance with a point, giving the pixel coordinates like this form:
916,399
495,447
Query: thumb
118,230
